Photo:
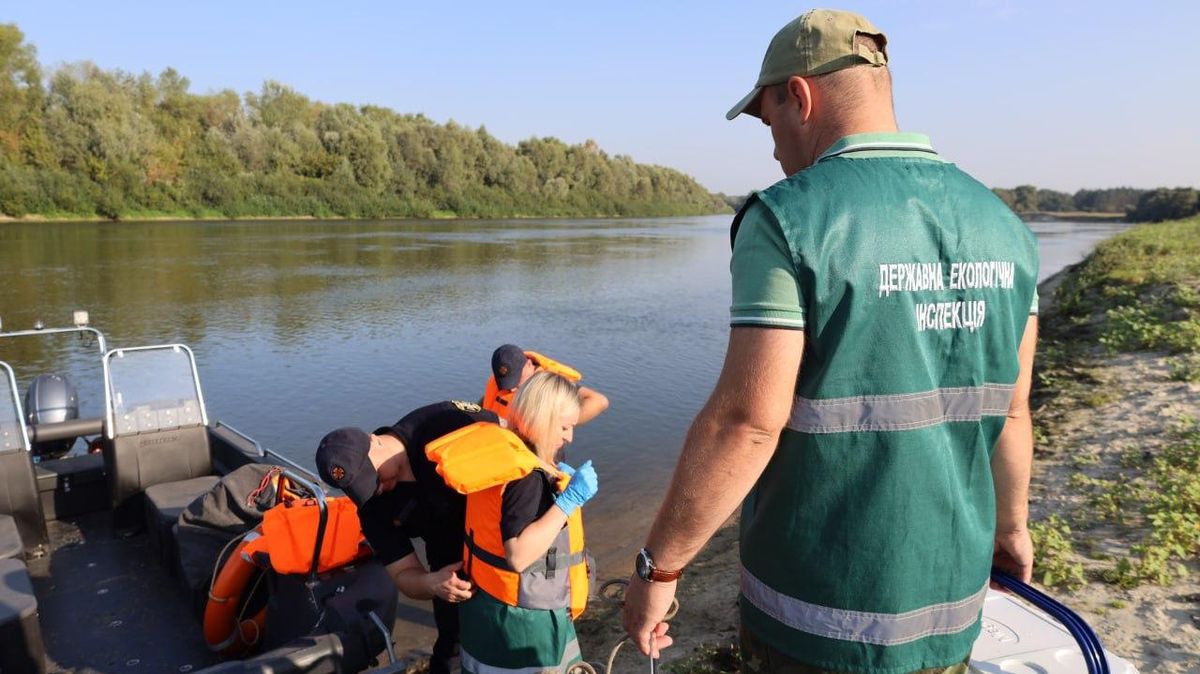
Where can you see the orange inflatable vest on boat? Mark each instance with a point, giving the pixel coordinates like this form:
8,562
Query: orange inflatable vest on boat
498,401
284,541
479,461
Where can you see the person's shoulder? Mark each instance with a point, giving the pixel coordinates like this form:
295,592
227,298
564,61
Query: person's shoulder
471,410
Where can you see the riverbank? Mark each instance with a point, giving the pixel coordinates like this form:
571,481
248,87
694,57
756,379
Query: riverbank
1115,497
220,217
1077,216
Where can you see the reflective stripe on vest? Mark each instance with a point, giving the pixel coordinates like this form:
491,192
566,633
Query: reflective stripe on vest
899,412
866,542
570,654
884,629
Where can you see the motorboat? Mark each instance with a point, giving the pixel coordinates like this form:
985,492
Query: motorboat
91,560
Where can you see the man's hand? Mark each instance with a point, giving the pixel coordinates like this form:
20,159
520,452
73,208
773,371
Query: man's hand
447,586
646,604
1013,554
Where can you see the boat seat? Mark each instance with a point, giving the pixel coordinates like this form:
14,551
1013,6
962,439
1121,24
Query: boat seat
21,647
138,461
11,546
19,497
165,502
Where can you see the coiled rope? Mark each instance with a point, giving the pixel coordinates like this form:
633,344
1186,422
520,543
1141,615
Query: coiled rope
613,591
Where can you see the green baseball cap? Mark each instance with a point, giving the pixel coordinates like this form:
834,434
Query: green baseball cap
820,41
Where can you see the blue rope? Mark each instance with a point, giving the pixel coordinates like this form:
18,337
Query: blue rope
1089,643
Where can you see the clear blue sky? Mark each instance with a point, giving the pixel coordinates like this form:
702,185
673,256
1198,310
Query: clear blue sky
1059,94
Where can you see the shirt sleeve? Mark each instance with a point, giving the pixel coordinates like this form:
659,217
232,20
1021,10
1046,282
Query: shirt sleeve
388,538
1033,310
765,289
523,502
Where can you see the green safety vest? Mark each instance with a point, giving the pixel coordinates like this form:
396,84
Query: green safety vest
866,544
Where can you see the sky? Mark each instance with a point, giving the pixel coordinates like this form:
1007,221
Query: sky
1063,95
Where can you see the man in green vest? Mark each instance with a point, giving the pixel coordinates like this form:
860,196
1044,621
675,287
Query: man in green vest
872,414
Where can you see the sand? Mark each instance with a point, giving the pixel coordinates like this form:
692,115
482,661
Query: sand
1156,628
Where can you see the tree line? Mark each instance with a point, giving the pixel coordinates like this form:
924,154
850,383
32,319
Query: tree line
1134,205
1137,205
83,141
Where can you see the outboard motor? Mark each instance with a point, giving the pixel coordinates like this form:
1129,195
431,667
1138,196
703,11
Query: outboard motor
51,398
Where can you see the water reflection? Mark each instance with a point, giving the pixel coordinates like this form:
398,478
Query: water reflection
299,327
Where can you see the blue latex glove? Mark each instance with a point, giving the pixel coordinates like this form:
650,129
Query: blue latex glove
583,486
565,469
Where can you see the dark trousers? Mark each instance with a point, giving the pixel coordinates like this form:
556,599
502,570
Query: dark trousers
443,550
445,615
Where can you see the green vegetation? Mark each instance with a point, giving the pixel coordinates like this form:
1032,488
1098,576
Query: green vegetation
88,142
1054,565
1137,205
1139,291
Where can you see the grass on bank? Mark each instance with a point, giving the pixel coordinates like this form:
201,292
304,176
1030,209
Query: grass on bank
1137,292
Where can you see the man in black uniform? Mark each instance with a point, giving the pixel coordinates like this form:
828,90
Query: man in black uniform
400,496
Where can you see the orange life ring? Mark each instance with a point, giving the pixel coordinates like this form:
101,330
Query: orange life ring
225,631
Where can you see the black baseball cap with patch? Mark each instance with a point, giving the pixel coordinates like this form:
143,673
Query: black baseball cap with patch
343,462
507,363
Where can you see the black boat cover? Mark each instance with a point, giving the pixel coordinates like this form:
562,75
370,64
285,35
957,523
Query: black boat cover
232,507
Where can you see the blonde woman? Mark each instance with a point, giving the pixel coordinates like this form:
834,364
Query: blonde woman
524,548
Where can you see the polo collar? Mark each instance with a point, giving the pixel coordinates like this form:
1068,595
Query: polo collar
882,144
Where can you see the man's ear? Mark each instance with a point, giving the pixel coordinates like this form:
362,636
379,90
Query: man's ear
800,92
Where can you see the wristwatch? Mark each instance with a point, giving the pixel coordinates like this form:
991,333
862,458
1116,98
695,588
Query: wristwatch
644,566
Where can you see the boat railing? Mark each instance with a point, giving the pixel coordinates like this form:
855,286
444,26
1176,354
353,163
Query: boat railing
80,319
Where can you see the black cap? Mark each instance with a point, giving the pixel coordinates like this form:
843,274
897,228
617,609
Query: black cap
343,462
507,363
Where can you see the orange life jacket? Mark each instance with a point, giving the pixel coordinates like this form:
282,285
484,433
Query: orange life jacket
498,401
285,541
480,460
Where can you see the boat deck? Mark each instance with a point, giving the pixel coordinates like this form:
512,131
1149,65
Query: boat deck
108,605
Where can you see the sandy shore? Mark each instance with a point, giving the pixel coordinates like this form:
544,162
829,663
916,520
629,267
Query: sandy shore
1155,627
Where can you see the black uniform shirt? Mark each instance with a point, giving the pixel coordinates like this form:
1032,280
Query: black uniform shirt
426,509
524,502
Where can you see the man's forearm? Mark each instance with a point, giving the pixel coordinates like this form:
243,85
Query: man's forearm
1012,463
720,462
1012,460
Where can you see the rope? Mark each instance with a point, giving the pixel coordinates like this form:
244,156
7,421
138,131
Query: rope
212,581
242,614
606,592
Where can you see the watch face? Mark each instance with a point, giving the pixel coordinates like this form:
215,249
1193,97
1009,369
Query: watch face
642,565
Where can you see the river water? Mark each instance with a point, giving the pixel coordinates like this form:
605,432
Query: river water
302,326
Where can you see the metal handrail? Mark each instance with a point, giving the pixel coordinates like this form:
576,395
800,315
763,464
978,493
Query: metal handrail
262,453
58,331
276,456
12,380
323,519
109,409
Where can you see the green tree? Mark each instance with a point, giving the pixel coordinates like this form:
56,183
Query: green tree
1025,199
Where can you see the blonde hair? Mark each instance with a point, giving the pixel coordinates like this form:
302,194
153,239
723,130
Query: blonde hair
539,405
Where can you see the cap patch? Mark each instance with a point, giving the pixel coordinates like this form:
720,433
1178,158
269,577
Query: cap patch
337,472
503,370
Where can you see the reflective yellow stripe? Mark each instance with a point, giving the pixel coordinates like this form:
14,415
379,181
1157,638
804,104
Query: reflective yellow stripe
885,629
570,654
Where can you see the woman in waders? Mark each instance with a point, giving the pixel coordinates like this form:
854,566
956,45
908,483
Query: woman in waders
524,549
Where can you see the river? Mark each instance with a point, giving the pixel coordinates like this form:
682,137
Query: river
303,326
